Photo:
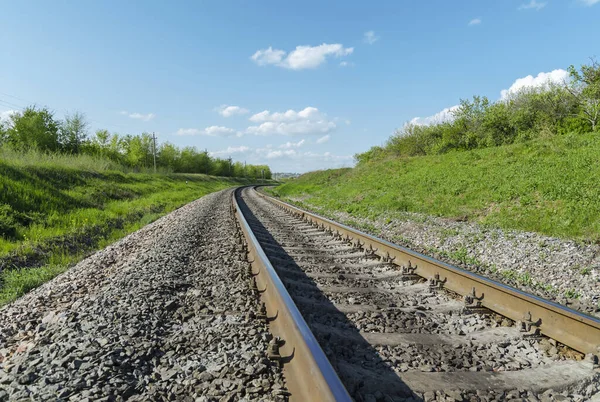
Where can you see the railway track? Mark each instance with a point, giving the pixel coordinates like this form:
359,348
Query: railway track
357,317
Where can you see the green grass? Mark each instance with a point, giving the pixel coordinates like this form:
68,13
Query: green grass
549,186
54,210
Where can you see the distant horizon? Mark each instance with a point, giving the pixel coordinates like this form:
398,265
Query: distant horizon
297,87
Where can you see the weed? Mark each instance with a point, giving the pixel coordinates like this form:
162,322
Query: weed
446,233
461,254
572,294
524,279
509,274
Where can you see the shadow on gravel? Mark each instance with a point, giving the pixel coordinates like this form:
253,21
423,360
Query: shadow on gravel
365,375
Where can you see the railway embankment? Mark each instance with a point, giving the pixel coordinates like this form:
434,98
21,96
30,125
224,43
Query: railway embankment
163,314
524,214
55,210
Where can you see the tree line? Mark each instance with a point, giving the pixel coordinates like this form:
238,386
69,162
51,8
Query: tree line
37,128
552,109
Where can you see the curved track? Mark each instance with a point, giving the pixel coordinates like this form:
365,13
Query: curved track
390,335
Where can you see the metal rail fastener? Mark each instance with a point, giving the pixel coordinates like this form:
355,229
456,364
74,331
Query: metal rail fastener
573,328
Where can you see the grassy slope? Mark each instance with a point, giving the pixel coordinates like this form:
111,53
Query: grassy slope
53,214
547,186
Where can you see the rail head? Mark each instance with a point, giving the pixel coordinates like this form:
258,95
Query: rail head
573,328
309,374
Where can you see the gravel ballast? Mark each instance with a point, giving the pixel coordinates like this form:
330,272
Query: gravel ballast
564,271
392,337
162,314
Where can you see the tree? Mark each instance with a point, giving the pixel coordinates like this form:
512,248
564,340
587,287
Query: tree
100,143
147,148
73,132
3,133
585,88
469,118
238,169
34,128
134,152
497,127
168,155
204,162
220,167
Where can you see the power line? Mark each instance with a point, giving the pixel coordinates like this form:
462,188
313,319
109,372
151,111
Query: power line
14,97
10,104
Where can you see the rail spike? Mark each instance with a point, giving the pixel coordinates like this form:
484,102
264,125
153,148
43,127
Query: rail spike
436,283
262,312
273,350
389,258
530,328
371,251
473,303
408,272
251,271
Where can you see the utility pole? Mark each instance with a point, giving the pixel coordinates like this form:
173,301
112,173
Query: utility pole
207,161
154,150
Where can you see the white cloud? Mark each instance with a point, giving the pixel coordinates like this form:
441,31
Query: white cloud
293,128
346,64
590,2
282,159
268,56
306,156
228,111
370,38
272,154
242,149
290,115
5,115
212,131
533,5
290,144
219,131
282,155
329,157
307,121
475,21
189,131
541,80
138,116
323,139
440,117
302,57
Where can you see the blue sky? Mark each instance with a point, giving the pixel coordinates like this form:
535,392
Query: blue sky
300,86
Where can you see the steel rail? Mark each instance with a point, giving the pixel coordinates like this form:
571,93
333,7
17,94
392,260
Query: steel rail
308,373
569,327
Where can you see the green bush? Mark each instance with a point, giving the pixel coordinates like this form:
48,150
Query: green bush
519,117
8,223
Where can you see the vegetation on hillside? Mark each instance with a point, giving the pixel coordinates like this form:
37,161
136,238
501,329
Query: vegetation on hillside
548,186
528,161
553,109
56,208
37,129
